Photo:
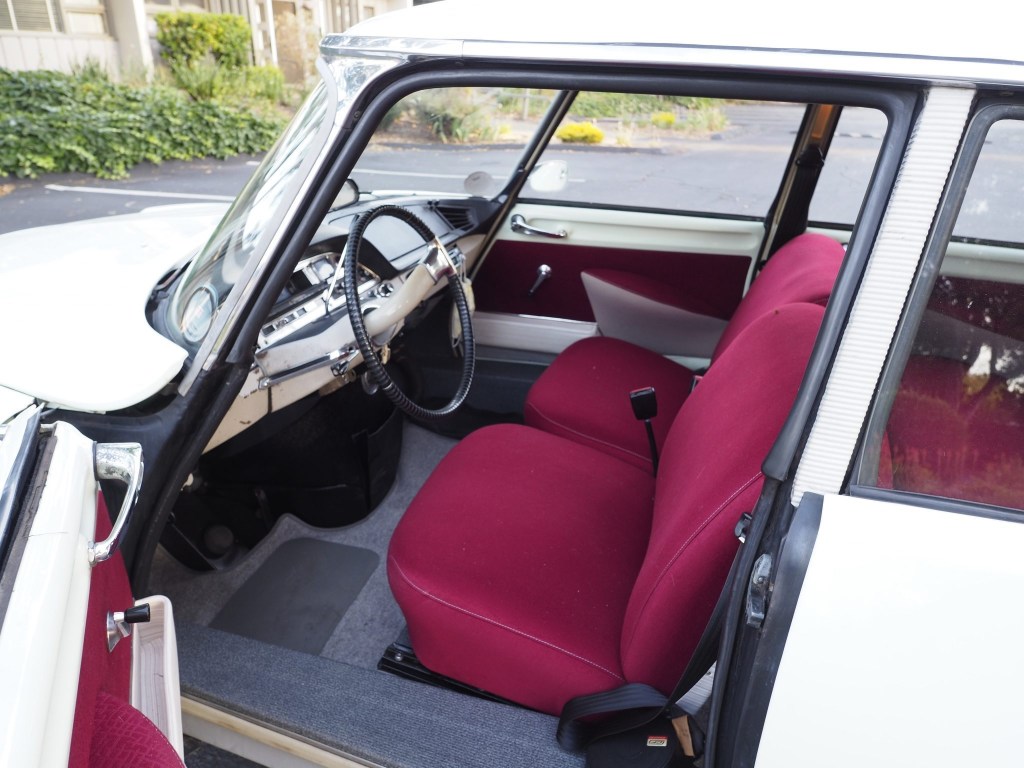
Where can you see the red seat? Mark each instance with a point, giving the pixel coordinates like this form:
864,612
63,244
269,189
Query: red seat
955,433
540,569
583,395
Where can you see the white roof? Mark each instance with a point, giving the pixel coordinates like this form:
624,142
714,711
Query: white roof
979,36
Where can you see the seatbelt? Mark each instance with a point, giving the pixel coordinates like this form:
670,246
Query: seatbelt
635,705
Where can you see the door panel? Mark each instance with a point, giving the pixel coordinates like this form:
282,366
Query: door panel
903,648
699,264
67,695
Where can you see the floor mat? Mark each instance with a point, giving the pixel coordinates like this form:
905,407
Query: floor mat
299,594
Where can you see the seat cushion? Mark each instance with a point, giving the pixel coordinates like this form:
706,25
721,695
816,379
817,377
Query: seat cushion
514,564
584,396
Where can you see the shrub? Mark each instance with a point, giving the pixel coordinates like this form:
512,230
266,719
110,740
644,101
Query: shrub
58,123
705,116
663,120
205,79
580,133
592,104
457,115
190,37
265,82
201,78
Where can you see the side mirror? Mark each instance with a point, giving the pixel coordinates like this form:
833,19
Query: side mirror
552,176
348,194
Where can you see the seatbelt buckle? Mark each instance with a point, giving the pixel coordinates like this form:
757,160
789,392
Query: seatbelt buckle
644,402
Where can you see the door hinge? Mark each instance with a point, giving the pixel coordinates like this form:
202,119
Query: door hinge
757,591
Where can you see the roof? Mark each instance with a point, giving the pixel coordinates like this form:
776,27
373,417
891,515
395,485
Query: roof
910,39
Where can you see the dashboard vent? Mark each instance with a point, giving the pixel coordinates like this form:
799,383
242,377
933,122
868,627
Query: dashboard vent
458,217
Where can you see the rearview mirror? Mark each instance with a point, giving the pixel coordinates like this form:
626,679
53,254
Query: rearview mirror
552,176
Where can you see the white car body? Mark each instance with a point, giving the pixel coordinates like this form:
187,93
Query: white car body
104,285
891,632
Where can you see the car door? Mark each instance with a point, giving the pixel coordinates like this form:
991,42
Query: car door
880,625
89,673
654,237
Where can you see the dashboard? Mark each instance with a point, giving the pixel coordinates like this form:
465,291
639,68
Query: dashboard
306,344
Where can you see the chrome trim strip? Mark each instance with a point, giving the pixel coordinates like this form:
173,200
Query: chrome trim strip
810,61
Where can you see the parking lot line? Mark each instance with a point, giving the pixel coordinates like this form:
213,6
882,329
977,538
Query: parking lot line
140,193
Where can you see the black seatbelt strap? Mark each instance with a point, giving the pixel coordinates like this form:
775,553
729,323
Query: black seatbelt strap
636,704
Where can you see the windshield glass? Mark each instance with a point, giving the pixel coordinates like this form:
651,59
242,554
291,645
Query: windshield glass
212,275
452,141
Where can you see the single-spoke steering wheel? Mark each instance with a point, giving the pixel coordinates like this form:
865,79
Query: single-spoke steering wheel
437,264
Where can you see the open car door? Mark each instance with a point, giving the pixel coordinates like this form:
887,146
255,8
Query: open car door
89,674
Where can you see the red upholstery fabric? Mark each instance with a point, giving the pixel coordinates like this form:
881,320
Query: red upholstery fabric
584,396
514,564
710,475
126,738
109,732
803,270
956,434
539,569
102,671
511,267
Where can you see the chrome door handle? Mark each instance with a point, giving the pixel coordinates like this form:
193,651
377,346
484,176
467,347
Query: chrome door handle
518,224
121,462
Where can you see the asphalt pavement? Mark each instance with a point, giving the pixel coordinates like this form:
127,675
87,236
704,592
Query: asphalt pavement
715,173
57,198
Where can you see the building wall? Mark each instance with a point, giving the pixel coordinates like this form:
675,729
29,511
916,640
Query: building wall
120,35
55,50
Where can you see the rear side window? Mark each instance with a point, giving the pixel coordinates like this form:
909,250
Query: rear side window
956,427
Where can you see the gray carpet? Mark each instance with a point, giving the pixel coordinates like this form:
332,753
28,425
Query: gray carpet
338,698
299,594
372,620
373,716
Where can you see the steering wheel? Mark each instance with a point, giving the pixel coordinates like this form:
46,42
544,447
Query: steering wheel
441,266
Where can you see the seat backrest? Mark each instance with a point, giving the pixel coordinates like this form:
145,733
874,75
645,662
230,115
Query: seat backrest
710,474
804,270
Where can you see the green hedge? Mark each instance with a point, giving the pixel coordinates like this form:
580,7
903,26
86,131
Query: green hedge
53,122
188,38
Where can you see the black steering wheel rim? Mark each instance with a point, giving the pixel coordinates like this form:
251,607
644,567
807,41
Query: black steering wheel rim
350,257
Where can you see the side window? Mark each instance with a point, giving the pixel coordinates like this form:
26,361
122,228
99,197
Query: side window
956,427
673,153
851,159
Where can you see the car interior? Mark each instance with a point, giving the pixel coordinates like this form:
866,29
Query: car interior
433,588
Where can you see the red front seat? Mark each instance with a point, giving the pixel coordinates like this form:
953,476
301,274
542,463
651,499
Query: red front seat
539,569
584,394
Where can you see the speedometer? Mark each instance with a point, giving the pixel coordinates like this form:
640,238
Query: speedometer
198,314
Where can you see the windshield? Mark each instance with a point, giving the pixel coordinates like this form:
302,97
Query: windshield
212,275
